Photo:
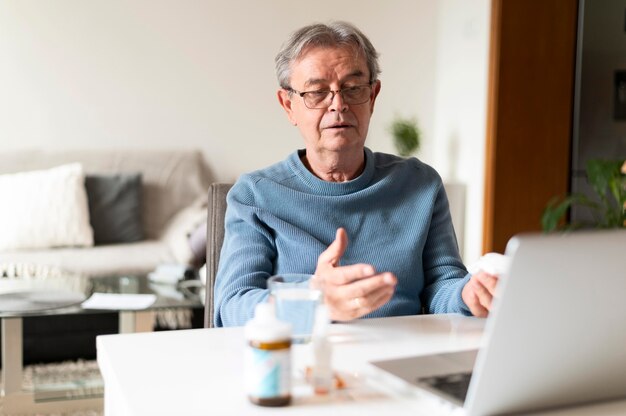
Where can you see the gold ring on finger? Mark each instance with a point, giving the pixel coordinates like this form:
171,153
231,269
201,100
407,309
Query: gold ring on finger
357,302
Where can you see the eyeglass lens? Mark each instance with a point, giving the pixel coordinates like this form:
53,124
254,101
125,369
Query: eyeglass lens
351,95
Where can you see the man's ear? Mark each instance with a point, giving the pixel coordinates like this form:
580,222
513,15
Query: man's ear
375,91
284,98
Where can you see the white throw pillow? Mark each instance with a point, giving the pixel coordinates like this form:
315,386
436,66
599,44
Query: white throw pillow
45,208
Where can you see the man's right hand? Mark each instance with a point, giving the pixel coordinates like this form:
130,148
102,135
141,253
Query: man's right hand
350,291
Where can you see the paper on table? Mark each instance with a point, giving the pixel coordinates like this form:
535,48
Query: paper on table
118,301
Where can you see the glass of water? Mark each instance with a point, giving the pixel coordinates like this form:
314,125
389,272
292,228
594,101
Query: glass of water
295,301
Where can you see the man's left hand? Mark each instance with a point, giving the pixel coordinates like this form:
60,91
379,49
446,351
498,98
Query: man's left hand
478,293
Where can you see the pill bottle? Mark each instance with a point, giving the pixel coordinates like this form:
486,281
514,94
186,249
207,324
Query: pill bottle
268,358
322,373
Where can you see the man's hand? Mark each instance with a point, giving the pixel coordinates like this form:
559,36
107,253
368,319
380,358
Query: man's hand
350,291
478,293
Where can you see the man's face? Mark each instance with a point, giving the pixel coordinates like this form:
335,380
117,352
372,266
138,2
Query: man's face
339,127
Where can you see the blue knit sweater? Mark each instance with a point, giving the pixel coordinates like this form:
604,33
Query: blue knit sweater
396,215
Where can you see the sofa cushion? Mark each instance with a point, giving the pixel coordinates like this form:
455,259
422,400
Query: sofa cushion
45,208
115,208
180,228
197,243
171,179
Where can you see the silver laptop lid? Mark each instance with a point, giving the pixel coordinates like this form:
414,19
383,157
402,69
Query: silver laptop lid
557,334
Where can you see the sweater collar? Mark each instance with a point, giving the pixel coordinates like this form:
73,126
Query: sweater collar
332,188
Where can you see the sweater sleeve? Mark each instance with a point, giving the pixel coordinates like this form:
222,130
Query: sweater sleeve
444,272
245,260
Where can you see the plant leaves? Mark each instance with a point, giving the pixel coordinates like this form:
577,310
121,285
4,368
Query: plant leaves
553,213
608,180
600,173
406,136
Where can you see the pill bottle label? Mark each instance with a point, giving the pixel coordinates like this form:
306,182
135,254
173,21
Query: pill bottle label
268,373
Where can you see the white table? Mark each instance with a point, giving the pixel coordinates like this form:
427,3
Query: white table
200,372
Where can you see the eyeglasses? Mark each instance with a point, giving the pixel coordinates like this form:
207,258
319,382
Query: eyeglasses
358,94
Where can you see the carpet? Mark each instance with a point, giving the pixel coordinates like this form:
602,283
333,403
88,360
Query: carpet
67,379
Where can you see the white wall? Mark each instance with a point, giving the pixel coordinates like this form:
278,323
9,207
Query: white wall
457,147
200,74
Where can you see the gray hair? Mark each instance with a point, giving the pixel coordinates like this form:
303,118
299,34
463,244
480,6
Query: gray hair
325,35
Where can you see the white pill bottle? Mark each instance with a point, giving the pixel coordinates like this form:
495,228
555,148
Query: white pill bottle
268,358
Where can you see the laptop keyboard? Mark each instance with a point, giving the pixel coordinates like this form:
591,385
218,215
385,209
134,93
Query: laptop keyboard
454,385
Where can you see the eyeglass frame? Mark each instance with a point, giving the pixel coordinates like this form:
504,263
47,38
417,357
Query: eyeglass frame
333,92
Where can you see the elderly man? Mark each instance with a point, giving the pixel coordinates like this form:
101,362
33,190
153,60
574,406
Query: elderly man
373,228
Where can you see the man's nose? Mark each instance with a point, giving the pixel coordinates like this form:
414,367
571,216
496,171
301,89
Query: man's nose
337,103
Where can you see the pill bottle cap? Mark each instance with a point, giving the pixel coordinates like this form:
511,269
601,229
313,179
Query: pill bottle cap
265,327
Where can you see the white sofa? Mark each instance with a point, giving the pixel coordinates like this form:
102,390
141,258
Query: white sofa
173,204
173,192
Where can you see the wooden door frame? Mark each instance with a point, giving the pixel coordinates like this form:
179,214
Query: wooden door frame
529,113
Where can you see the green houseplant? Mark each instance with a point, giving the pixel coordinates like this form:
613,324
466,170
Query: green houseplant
608,180
406,135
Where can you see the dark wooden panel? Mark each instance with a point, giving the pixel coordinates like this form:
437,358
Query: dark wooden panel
532,64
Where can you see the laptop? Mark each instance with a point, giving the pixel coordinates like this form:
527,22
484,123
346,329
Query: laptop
556,335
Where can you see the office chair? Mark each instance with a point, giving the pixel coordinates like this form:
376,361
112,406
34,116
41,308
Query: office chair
215,237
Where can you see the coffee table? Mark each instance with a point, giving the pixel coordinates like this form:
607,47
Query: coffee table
63,295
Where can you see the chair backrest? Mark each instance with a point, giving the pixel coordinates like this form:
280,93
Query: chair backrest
215,238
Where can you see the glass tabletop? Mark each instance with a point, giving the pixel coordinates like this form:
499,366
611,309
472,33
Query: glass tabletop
61,295
64,295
